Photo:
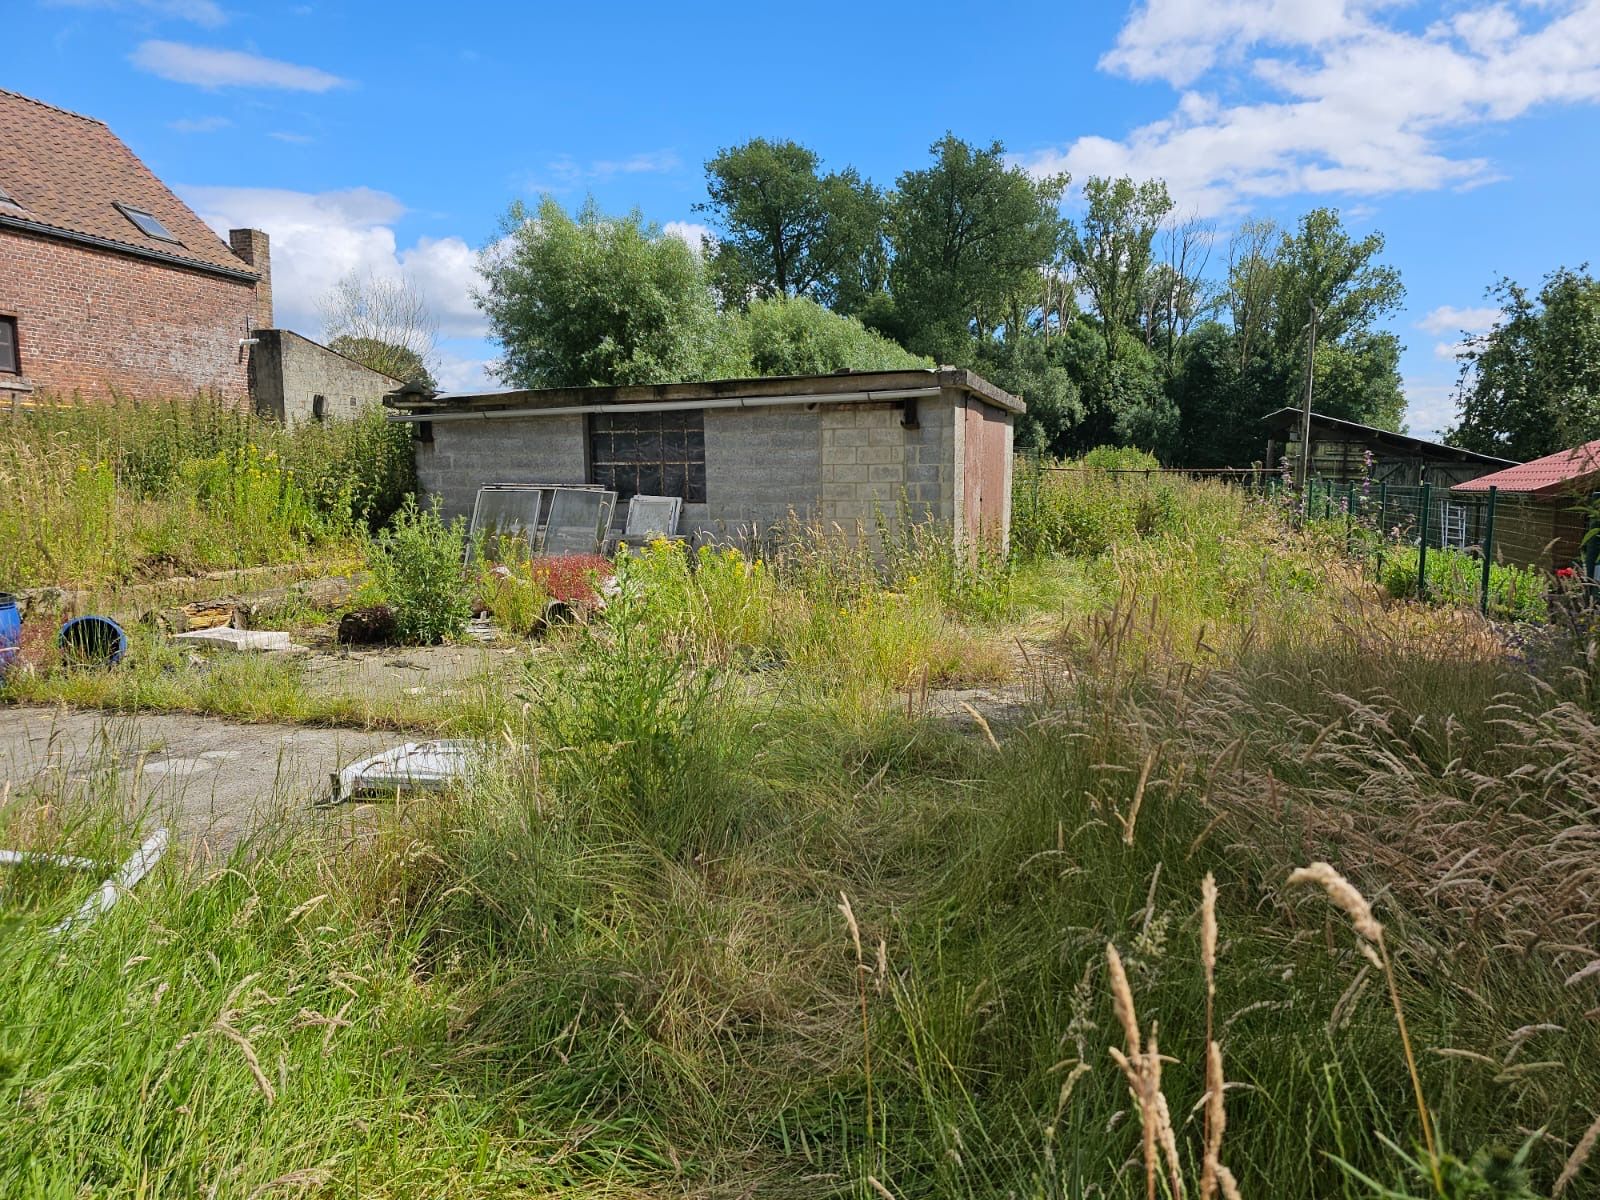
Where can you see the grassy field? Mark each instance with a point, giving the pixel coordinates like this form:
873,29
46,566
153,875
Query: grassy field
726,913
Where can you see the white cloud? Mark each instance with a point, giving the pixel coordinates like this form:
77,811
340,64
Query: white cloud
1449,319
1335,100
690,231
200,12
199,124
211,68
1430,408
567,172
319,238
457,372
294,139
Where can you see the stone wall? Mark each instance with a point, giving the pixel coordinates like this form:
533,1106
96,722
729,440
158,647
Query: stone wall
95,323
289,372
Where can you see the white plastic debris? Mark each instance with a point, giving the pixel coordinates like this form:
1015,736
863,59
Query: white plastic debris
415,766
138,865
254,641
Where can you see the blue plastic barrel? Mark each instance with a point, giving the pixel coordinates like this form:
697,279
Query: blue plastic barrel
97,641
10,632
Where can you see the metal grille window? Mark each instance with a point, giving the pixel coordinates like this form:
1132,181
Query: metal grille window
649,454
9,361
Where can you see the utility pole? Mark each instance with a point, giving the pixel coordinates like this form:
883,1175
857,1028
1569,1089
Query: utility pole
1305,411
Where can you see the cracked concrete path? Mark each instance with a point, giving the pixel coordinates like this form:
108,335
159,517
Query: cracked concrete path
209,780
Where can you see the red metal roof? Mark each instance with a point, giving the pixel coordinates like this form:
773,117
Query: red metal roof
1554,474
65,174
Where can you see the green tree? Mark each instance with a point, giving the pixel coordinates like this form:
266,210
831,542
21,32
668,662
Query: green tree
800,337
599,300
1319,264
970,235
1531,385
787,230
382,322
1110,249
397,362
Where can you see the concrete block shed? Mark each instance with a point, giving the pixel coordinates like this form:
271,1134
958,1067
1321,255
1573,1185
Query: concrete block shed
742,453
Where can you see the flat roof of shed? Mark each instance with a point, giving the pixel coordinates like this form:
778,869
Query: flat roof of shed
414,401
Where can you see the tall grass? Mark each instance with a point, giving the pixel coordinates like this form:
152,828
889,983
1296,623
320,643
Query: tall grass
614,963
96,493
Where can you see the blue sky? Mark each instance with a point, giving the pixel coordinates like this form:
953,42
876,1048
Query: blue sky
390,137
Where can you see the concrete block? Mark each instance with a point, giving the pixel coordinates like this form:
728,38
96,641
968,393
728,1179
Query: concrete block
886,473
834,456
851,437
844,474
871,455
886,435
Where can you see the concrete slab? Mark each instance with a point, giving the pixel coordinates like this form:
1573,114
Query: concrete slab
253,641
210,781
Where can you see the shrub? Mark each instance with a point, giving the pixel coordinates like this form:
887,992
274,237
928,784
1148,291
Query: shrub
416,567
1120,458
799,337
1455,577
1081,512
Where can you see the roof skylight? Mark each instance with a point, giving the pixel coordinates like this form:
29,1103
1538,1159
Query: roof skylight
149,224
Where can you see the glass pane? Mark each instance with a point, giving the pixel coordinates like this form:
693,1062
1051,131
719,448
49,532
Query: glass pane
674,477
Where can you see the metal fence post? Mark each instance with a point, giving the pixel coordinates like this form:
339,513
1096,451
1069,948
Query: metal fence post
1488,551
1422,549
1383,522
1349,515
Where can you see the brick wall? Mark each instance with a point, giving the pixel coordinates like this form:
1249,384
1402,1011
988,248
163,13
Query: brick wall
94,322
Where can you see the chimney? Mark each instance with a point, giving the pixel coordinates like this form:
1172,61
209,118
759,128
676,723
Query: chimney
253,247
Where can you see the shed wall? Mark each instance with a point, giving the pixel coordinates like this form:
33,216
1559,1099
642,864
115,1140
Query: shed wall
839,464
464,455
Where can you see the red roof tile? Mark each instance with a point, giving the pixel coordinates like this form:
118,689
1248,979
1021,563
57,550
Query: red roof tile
66,174
1563,471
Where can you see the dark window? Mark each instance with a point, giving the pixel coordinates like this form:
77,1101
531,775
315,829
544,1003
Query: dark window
649,453
319,408
149,224
10,364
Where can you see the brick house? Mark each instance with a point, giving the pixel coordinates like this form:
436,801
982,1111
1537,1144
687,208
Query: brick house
108,282
841,449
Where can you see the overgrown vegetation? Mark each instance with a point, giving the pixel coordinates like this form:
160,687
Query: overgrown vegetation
418,569
113,492
716,917
1456,577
